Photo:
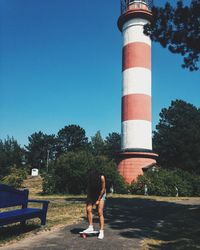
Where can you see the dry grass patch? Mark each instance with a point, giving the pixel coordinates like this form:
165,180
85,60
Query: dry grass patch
64,214
34,184
150,242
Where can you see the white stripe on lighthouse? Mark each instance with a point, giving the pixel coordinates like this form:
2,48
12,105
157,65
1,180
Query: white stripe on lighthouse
136,134
136,80
133,31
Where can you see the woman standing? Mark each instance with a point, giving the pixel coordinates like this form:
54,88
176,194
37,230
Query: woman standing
96,196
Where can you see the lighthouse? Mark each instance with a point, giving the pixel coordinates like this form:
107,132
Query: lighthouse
136,120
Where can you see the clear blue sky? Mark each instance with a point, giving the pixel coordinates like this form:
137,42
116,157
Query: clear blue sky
60,64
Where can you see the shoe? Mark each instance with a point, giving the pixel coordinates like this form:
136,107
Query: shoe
90,229
101,235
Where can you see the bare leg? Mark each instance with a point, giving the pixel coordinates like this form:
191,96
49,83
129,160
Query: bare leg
100,213
89,214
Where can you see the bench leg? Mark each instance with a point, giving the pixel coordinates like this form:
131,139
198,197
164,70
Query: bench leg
43,220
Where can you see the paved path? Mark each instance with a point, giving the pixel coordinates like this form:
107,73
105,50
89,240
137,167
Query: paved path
69,239
128,222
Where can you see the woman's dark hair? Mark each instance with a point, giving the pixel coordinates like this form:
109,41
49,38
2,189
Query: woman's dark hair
94,180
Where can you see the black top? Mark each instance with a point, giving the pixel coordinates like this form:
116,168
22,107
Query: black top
94,186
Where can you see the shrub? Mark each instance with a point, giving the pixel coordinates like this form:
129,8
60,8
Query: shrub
48,184
196,186
167,183
120,186
109,168
15,178
70,173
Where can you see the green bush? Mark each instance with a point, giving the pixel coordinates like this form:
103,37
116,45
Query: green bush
15,178
167,183
185,182
48,184
69,174
120,186
196,186
109,168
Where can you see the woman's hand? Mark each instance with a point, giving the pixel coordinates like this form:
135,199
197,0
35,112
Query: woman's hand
97,202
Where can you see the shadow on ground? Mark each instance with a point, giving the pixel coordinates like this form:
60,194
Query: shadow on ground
11,232
164,225
75,200
77,230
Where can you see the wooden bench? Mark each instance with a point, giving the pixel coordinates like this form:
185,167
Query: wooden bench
11,197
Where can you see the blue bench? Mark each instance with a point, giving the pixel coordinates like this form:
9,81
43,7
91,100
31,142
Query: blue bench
11,197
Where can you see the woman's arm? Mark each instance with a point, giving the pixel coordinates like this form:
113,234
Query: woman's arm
103,188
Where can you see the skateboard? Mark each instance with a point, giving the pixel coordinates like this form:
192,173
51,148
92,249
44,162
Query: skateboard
85,235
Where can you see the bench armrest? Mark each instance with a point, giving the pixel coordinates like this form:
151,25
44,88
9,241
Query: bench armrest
44,202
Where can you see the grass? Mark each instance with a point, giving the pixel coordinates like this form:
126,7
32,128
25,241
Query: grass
59,212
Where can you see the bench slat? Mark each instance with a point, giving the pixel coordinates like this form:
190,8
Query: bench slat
20,215
19,212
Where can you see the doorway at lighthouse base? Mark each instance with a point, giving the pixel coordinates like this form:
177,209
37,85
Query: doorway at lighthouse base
131,164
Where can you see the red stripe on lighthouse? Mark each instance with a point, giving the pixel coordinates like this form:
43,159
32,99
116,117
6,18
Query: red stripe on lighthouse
137,54
136,107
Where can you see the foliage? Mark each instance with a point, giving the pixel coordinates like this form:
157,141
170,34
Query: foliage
71,138
109,169
10,154
120,186
177,137
97,144
70,173
48,184
41,146
112,145
167,183
178,29
64,160
15,178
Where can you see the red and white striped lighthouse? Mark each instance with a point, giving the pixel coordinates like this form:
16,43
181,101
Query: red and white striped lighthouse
136,145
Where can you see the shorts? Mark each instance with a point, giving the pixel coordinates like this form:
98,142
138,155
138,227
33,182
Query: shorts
103,197
92,200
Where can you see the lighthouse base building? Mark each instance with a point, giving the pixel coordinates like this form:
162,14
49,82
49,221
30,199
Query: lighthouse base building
133,164
136,137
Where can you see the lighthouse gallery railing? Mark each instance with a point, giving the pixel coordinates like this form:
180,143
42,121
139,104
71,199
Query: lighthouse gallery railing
126,3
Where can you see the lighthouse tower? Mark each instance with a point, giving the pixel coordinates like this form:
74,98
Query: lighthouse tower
136,137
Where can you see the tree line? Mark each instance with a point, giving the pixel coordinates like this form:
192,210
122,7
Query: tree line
64,159
42,148
60,158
